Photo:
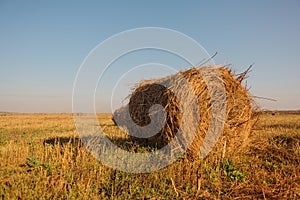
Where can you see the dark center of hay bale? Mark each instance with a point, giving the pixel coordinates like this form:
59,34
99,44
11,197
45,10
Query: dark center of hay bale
141,101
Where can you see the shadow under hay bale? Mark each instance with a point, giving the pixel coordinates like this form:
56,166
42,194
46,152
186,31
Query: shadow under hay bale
177,94
63,141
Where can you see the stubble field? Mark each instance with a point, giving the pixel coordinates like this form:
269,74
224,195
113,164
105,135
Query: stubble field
42,158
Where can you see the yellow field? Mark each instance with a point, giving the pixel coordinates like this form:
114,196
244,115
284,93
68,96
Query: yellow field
42,158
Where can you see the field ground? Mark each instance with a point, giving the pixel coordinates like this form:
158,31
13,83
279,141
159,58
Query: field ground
42,158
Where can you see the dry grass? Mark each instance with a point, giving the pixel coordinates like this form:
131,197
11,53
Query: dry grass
42,159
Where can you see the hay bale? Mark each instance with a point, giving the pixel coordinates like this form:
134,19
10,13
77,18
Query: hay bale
174,94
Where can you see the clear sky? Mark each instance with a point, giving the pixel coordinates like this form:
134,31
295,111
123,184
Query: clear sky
43,43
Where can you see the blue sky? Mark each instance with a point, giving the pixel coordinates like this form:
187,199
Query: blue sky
43,44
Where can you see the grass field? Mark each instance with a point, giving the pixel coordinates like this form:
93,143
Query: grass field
42,158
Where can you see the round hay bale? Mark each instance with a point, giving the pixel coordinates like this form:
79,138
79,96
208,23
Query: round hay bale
173,95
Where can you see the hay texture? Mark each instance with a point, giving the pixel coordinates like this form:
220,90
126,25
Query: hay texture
187,108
